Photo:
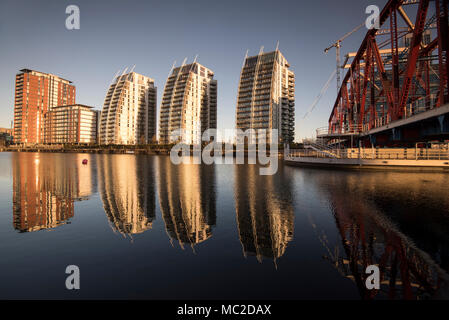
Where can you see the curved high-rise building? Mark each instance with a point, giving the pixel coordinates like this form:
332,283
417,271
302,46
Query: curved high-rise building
129,111
266,95
189,104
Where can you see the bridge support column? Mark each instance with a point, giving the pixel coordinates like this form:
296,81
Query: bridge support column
396,134
441,121
372,140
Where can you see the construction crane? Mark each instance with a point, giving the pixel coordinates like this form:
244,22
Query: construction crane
337,46
322,92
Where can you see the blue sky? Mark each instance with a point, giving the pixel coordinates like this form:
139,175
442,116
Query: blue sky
154,34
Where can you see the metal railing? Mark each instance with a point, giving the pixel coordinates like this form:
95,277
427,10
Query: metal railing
321,148
423,104
374,153
346,129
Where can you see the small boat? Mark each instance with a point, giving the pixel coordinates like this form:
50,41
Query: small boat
85,161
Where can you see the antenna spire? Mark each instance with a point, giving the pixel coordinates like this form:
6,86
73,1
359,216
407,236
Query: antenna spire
246,56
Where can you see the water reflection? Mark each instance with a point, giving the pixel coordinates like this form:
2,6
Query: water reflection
264,212
187,200
376,216
126,184
398,221
45,187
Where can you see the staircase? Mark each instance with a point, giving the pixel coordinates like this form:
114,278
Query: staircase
321,148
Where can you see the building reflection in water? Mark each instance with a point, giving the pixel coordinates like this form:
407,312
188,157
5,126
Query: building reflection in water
264,212
45,187
187,200
126,184
374,231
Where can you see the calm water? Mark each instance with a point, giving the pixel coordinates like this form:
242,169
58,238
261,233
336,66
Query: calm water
140,227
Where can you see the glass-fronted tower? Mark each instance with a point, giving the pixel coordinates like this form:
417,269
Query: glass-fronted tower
189,104
129,111
266,95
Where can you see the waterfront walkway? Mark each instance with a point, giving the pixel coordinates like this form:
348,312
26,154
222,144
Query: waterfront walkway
372,158
153,150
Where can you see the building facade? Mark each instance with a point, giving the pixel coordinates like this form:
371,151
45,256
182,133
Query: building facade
35,94
129,111
189,104
266,95
71,124
7,131
5,137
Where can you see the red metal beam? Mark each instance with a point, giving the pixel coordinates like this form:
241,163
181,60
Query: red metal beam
412,56
372,32
400,84
441,8
395,62
386,84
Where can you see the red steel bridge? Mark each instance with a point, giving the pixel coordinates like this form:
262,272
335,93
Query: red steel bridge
395,91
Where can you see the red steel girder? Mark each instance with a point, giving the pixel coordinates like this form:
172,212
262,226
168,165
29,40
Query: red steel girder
441,8
386,84
367,70
384,15
398,84
395,60
412,56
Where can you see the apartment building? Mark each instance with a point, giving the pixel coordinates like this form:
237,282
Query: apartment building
266,95
35,94
71,124
189,104
129,111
